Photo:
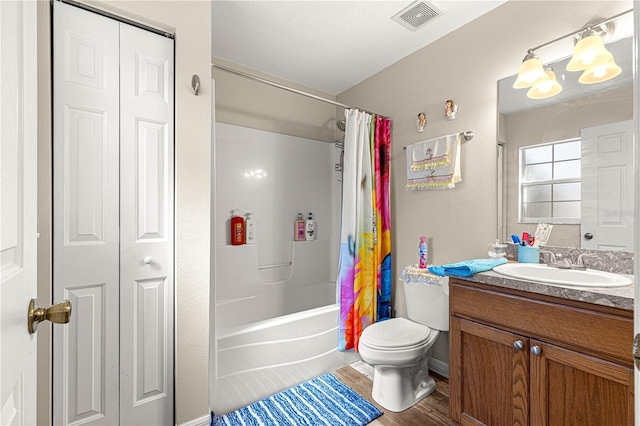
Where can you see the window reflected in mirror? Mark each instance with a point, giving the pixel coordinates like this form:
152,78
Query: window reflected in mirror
550,178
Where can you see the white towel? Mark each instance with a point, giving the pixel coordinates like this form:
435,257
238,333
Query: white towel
434,153
434,164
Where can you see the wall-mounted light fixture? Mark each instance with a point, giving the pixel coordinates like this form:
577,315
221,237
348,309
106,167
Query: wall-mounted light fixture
599,73
589,50
531,72
546,88
589,55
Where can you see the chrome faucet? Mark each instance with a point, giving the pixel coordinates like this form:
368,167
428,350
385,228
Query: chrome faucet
559,261
551,260
562,262
580,265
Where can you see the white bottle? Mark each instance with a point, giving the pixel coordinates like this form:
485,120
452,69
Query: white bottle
310,228
250,228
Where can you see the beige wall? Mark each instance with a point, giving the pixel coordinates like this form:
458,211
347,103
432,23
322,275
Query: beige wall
465,66
555,123
244,102
191,22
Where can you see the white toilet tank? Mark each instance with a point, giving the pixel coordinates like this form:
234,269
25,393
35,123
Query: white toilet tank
428,304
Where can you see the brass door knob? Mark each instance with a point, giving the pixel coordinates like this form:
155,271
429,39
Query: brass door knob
59,313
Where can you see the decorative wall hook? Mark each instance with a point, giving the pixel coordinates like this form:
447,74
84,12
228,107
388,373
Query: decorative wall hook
450,109
195,84
421,122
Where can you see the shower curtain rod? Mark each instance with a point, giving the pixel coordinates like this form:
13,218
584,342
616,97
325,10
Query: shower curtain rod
290,89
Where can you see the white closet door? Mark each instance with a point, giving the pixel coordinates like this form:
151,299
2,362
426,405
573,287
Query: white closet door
86,197
146,227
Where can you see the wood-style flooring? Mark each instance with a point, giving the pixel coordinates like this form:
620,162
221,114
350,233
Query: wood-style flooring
432,410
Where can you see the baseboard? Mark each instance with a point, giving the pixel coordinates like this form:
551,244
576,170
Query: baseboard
440,367
202,421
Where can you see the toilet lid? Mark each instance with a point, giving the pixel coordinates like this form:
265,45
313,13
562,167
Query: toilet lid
395,333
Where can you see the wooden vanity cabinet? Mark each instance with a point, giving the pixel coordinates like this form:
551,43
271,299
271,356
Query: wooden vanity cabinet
523,359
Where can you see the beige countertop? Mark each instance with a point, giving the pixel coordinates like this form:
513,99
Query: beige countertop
618,297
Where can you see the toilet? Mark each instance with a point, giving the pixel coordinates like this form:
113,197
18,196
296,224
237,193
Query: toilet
399,348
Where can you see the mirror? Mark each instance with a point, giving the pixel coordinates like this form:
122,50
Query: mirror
582,113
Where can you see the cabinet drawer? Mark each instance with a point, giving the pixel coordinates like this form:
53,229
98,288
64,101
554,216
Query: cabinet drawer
600,334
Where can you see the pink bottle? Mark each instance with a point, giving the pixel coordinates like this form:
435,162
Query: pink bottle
422,249
300,228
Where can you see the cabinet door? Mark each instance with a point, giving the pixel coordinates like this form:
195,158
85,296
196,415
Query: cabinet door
489,375
570,388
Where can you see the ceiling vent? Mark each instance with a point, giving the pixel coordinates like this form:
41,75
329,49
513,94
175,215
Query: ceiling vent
416,15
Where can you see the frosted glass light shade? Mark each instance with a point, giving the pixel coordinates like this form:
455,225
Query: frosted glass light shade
546,88
600,73
589,52
531,73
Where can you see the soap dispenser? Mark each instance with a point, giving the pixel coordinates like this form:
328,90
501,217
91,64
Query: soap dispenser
299,230
310,228
250,228
237,228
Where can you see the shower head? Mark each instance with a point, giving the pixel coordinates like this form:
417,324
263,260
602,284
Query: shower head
341,124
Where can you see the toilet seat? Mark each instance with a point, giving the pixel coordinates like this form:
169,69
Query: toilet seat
395,334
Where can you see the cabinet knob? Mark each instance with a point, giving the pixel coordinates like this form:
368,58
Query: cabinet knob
518,344
147,260
536,350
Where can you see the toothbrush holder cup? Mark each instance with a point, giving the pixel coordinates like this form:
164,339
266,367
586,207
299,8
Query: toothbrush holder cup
528,254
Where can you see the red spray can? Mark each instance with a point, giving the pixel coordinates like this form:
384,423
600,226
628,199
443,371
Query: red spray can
237,229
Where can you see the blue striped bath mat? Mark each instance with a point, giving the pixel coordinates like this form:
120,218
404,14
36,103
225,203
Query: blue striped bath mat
324,400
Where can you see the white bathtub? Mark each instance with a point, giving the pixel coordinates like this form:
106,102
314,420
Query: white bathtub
274,302
258,359
274,327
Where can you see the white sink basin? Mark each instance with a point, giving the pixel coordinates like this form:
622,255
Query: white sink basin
562,277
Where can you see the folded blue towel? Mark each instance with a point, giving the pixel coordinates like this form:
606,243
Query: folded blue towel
467,267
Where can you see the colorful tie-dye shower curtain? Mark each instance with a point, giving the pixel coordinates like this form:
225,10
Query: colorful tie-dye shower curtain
364,274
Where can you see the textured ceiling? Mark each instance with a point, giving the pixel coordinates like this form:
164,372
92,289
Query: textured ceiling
327,45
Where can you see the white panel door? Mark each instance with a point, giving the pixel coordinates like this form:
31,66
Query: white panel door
86,249
18,109
146,227
608,187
